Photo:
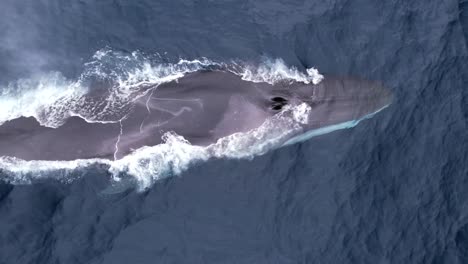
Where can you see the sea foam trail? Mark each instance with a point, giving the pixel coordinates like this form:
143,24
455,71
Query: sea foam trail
120,80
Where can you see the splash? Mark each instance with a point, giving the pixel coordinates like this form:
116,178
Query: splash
274,71
47,98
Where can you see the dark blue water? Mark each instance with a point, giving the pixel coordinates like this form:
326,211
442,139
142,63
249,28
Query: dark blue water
394,189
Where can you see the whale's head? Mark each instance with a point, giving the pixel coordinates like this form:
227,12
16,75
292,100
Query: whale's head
333,103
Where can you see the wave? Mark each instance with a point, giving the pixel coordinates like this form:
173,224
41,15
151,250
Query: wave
121,79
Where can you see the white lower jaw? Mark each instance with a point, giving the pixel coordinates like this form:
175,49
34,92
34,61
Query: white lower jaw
328,129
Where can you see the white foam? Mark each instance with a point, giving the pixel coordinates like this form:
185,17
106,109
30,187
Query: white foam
274,71
301,113
46,97
18,171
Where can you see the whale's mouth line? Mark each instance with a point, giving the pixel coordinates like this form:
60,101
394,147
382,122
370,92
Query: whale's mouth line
331,128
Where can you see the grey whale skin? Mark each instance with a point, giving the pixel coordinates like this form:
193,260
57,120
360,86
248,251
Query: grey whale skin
202,107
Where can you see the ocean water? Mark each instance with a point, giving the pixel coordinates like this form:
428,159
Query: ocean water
391,189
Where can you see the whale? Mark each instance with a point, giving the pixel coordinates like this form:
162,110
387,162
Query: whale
202,106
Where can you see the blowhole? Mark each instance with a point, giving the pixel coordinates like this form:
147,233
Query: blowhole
278,99
278,103
277,107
